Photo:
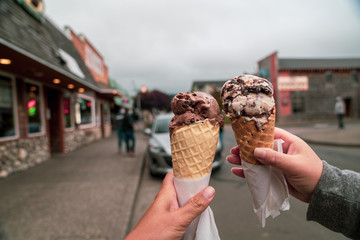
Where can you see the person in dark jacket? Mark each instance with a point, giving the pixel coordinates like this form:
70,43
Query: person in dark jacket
128,129
119,128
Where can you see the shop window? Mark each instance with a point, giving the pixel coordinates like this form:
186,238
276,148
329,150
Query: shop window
8,128
67,112
34,110
298,105
85,110
106,113
328,76
354,76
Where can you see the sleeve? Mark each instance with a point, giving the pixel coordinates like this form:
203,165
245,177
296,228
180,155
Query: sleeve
335,203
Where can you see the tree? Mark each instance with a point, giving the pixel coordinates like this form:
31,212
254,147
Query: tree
155,99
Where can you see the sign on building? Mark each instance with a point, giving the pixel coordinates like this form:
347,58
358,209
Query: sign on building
293,83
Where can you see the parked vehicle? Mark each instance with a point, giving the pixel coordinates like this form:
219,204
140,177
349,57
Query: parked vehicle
158,152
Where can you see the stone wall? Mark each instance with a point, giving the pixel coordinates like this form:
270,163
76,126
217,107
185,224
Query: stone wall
23,153
80,137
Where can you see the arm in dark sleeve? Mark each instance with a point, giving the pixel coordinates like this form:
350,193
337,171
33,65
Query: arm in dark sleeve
335,202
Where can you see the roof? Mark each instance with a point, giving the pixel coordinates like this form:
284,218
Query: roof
43,42
199,85
319,63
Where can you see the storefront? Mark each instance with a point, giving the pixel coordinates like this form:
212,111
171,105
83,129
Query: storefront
49,100
306,89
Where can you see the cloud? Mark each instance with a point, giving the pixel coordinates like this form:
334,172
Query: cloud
165,45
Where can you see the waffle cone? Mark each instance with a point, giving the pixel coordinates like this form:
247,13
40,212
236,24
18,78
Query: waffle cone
248,137
193,149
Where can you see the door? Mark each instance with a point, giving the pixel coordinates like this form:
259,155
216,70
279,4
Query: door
55,120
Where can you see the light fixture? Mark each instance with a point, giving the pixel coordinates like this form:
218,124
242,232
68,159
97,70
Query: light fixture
56,81
81,90
143,89
70,86
5,61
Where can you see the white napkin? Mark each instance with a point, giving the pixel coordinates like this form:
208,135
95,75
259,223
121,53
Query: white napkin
204,226
268,188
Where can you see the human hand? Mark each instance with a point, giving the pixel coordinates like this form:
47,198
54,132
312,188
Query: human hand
164,219
301,166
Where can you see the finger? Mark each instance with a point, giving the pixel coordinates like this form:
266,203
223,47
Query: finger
238,172
273,158
196,205
167,190
235,151
232,159
286,136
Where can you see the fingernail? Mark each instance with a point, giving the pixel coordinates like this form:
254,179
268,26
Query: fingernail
259,153
208,192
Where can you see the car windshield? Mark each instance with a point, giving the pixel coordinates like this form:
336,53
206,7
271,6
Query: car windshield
162,125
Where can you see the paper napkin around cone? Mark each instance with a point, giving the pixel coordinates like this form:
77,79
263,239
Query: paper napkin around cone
268,188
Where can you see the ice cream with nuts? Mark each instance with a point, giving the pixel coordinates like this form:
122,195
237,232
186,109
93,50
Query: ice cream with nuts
249,103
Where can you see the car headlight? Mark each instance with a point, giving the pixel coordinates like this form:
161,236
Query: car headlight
155,148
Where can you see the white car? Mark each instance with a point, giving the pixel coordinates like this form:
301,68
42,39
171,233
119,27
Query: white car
158,151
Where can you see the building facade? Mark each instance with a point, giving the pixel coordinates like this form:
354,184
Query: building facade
49,100
306,89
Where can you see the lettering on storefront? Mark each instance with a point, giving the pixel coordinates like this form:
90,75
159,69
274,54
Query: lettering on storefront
293,83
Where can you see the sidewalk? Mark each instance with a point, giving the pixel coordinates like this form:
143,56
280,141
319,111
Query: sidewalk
85,194
328,133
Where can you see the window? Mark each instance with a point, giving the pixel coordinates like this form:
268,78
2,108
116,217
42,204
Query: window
34,110
67,112
106,113
85,110
8,128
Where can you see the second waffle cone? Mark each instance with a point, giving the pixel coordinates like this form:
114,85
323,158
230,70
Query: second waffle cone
248,137
193,149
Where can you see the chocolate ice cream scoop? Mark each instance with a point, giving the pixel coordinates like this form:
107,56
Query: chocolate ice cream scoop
250,97
193,107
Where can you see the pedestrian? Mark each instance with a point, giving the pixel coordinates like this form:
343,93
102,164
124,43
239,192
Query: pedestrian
333,194
340,111
128,128
119,128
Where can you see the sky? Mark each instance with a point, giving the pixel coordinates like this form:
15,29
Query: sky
167,44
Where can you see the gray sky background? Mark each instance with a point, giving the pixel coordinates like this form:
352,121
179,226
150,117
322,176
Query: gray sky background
166,44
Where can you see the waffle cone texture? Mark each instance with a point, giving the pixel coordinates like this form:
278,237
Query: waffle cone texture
248,137
193,149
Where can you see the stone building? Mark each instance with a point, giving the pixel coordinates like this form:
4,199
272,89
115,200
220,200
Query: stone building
306,88
50,102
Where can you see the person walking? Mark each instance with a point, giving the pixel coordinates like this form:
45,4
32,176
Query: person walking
340,111
119,128
128,128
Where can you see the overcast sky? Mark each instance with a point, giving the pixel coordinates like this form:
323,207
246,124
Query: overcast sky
167,44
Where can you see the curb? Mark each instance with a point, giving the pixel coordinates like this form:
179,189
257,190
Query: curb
334,144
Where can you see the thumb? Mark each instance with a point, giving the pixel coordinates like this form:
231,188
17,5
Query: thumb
273,158
197,204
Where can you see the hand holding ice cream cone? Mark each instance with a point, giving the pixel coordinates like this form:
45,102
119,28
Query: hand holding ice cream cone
194,133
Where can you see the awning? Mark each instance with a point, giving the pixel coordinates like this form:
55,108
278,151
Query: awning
126,101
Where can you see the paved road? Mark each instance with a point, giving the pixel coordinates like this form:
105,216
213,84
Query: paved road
232,205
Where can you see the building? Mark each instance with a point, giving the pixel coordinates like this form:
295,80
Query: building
50,102
305,89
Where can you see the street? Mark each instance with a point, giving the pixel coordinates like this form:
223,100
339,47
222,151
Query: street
232,205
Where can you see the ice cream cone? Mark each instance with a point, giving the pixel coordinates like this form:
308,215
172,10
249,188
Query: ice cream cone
248,137
193,149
